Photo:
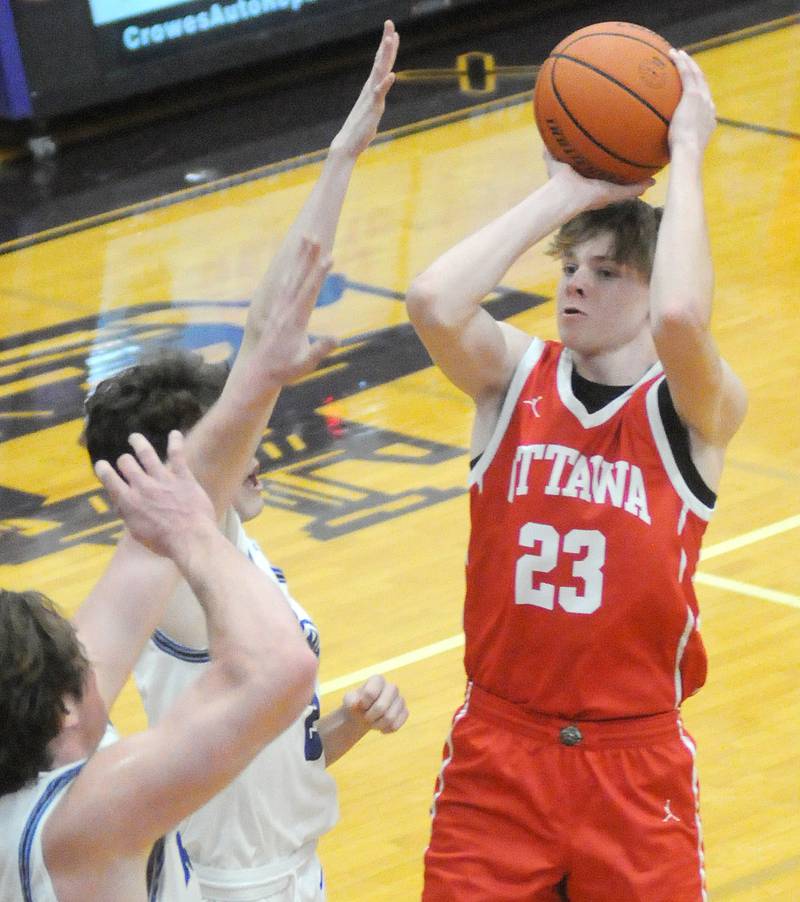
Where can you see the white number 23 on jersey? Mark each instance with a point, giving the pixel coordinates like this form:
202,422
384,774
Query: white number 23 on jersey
586,547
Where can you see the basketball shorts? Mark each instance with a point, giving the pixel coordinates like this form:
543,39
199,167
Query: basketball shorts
533,809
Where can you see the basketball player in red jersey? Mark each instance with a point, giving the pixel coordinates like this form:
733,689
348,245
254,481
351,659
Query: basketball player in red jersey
568,773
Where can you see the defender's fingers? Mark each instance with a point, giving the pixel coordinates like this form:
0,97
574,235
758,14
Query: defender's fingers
376,691
293,274
112,482
382,89
387,39
176,454
319,350
306,296
131,470
396,715
146,454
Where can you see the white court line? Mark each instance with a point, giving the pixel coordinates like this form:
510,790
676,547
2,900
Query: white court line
748,538
733,585
410,657
718,582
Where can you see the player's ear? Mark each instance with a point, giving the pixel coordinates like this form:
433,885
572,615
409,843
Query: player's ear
69,705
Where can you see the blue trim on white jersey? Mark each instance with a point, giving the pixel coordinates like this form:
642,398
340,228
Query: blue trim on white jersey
279,574
182,652
32,824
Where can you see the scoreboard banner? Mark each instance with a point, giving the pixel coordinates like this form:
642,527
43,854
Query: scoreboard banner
140,29
57,57
106,11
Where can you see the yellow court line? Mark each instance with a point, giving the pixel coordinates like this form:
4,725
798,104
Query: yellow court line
718,582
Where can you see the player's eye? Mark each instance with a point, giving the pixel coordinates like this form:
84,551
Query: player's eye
569,269
607,273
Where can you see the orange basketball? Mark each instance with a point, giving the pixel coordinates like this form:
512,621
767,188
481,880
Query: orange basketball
604,99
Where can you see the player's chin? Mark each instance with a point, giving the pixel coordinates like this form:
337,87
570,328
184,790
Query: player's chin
571,327
249,502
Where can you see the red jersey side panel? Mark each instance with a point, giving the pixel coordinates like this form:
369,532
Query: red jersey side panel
583,545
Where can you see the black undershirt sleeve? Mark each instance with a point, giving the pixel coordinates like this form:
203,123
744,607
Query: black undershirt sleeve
678,437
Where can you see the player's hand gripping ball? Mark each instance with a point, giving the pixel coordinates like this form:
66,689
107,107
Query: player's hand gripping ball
604,99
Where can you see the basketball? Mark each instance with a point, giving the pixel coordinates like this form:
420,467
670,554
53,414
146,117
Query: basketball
604,99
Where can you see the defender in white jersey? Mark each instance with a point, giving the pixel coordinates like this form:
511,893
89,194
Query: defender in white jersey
88,817
24,814
258,840
260,833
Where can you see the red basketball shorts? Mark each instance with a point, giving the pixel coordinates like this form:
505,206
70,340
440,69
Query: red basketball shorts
529,809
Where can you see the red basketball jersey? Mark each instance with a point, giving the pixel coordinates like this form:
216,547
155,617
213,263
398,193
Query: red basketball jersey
584,541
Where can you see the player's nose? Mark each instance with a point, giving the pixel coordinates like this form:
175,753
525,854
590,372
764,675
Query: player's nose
576,284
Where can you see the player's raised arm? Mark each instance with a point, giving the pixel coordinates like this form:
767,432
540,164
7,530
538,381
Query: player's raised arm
320,213
708,396
221,445
475,352
296,272
258,682
128,602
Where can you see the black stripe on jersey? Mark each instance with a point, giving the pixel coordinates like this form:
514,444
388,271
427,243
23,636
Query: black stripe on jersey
155,865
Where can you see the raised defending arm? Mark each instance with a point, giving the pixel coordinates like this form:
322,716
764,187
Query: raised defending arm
258,682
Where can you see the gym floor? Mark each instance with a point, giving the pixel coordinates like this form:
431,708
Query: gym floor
151,224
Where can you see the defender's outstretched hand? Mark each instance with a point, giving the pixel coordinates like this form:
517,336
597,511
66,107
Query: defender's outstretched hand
377,704
283,352
361,125
160,503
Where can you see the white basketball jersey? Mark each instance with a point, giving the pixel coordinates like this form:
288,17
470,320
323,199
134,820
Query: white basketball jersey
273,813
23,875
171,877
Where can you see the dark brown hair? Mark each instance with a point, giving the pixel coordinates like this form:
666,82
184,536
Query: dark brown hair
41,661
171,390
633,223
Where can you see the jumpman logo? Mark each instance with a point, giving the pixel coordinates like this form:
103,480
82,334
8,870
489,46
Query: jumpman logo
668,815
533,402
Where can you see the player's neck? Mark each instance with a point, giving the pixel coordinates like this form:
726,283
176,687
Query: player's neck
620,366
68,747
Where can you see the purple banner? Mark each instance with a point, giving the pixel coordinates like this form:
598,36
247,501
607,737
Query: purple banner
15,102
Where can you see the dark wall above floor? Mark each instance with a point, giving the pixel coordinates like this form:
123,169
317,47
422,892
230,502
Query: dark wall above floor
134,151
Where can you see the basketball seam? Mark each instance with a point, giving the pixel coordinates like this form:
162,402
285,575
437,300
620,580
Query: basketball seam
591,137
619,84
618,34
